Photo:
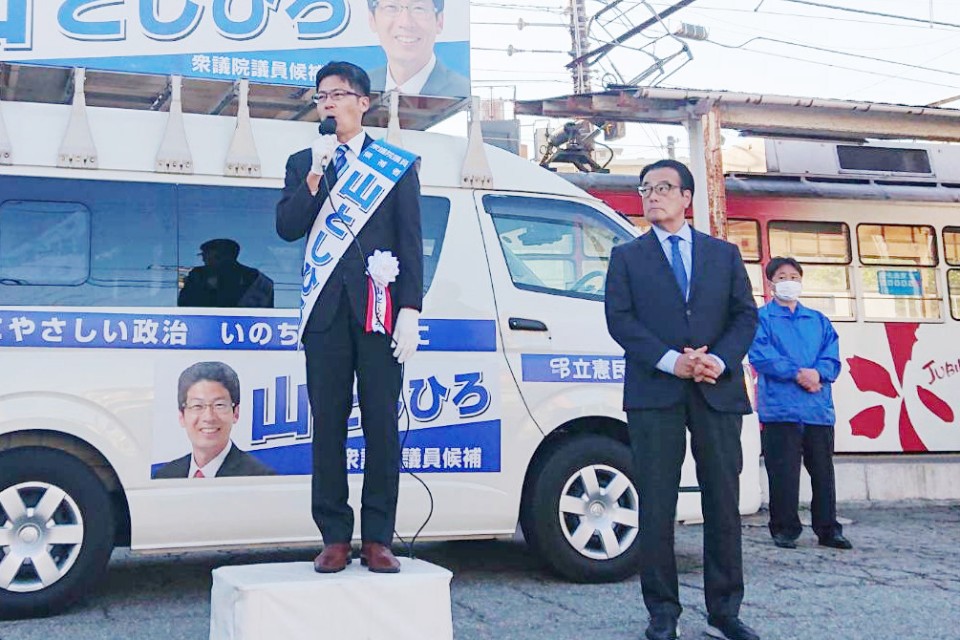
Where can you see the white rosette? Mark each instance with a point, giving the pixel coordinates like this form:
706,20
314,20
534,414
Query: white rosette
383,268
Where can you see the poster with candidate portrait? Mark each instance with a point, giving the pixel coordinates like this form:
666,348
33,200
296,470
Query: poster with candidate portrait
414,46
247,414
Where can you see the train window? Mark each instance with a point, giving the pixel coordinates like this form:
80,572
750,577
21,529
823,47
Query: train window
953,285
823,248
951,245
897,244
746,235
810,242
899,281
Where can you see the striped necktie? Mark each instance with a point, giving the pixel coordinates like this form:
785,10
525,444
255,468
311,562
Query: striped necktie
340,160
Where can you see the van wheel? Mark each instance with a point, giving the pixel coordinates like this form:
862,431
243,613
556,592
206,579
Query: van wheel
56,531
582,510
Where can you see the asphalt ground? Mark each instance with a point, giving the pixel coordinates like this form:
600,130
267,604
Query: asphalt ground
900,582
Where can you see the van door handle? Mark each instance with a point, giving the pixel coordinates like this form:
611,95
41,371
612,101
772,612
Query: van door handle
525,324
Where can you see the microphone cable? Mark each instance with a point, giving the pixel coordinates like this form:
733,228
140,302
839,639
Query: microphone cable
325,129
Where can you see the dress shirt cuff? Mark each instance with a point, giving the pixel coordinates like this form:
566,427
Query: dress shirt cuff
720,363
668,361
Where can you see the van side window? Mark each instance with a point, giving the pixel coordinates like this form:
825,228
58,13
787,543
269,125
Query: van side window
823,249
899,276
554,246
230,253
44,243
116,248
434,214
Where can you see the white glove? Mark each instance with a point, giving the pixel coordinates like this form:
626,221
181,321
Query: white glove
406,334
323,149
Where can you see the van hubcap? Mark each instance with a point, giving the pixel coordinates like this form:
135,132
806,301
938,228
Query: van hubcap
41,533
599,512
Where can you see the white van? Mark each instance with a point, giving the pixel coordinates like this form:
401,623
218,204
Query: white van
512,412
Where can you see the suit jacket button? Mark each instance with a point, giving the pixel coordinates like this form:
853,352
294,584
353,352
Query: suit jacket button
688,312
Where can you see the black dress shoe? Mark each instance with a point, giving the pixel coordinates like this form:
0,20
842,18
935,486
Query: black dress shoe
836,542
784,542
662,628
730,629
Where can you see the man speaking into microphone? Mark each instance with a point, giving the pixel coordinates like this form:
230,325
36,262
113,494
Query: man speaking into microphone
358,202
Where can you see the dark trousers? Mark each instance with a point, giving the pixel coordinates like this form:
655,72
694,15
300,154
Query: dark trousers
332,358
784,445
658,440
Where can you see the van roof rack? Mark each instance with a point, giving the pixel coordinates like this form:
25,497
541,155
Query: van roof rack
36,83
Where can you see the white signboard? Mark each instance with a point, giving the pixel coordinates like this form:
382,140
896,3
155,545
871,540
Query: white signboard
420,46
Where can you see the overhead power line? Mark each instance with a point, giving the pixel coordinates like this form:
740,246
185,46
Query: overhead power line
865,12
836,52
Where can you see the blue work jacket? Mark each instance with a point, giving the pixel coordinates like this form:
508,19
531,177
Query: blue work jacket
786,342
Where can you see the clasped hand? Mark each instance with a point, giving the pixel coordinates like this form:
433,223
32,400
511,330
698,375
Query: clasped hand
698,365
809,379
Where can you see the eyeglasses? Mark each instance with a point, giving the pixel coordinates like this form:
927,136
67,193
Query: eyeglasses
661,189
220,407
417,10
336,95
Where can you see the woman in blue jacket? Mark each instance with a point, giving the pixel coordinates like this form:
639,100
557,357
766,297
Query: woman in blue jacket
796,355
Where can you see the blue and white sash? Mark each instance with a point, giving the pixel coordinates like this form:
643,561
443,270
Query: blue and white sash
353,201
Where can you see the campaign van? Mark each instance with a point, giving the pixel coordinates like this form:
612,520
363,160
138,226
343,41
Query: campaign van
117,275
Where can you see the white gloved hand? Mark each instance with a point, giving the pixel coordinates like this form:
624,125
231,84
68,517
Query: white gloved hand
406,334
323,149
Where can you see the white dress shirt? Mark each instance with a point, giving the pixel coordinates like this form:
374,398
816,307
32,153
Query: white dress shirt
210,469
415,84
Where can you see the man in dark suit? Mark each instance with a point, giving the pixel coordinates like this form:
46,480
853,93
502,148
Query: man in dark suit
680,304
407,34
335,340
223,282
208,395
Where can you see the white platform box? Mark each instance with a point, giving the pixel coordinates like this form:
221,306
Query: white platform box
291,601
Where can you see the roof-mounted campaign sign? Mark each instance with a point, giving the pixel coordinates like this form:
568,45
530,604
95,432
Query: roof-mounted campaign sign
415,46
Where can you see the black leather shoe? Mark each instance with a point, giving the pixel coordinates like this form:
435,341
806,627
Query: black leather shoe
836,542
730,629
784,542
662,628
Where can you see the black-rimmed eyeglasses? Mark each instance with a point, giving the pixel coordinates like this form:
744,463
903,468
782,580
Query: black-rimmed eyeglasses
661,189
336,95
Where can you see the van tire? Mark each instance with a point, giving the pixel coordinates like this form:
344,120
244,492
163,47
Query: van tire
560,500
78,559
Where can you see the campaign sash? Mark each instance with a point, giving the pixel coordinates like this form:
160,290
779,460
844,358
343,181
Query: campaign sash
353,201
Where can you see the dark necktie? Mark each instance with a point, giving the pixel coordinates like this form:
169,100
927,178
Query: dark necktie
676,262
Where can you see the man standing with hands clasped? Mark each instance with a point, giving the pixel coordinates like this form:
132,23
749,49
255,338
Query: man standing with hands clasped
679,303
360,308
796,353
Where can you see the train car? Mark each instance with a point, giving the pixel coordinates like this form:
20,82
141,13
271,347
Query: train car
877,230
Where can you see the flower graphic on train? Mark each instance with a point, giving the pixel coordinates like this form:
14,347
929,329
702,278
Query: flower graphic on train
870,376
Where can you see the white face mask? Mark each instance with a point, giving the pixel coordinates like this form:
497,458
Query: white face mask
787,290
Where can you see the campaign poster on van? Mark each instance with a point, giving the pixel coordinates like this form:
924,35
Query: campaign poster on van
418,46
253,415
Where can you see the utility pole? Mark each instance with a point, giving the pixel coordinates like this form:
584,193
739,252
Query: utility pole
578,34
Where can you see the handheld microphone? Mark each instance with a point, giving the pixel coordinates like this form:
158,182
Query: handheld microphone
328,127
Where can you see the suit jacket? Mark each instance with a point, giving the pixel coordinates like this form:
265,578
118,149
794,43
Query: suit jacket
442,81
394,227
647,316
237,463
